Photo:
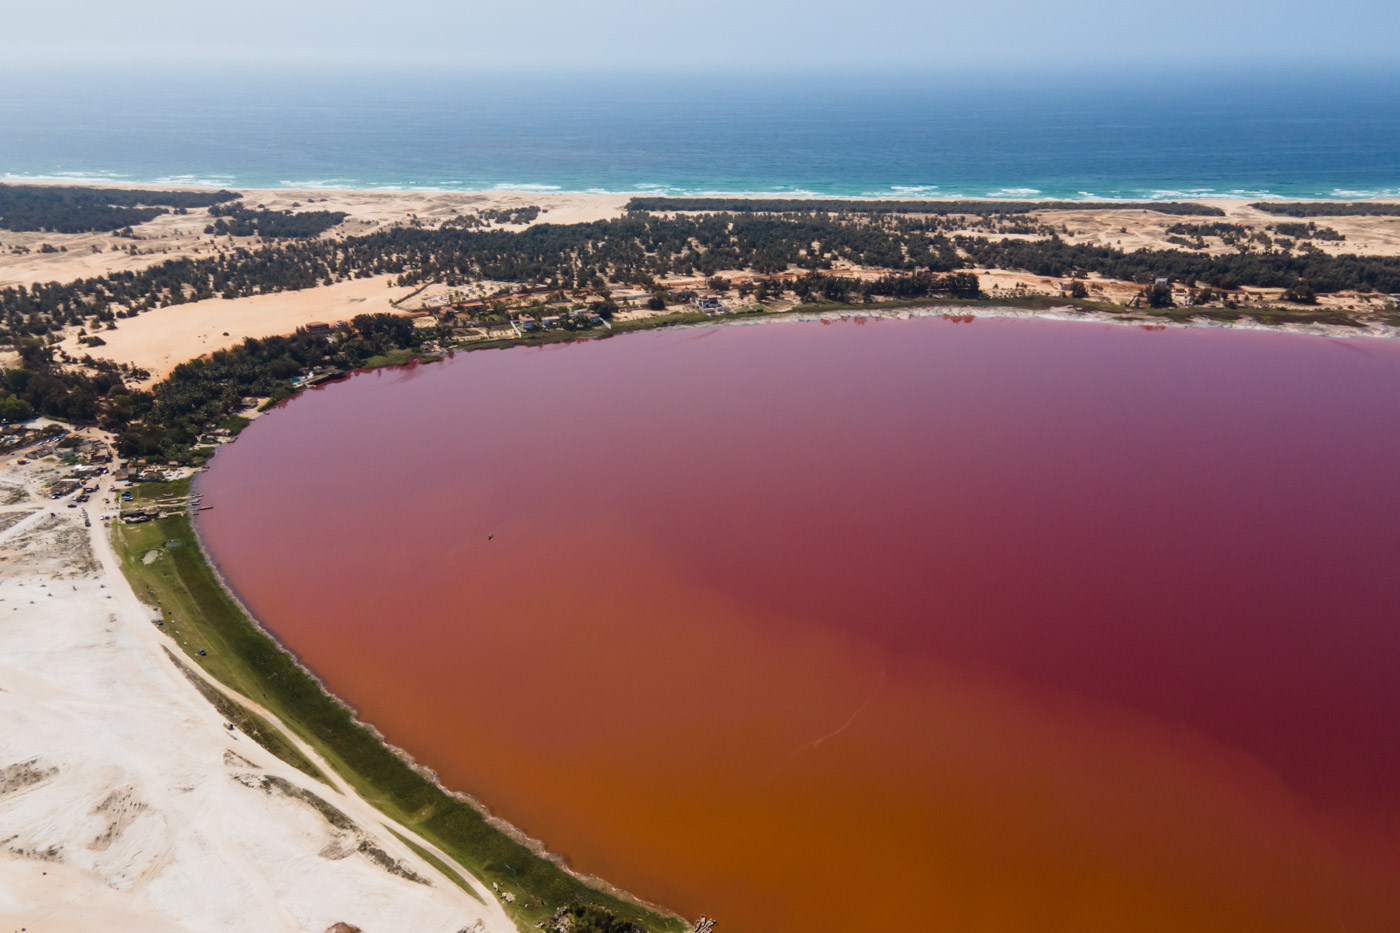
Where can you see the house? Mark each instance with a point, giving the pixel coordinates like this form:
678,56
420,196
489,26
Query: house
709,305
551,323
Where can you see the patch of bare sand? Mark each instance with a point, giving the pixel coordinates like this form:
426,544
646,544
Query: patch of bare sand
163,338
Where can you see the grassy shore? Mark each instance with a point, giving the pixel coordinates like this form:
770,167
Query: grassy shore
200,614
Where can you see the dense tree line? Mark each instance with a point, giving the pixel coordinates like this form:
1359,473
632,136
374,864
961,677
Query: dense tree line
1213,228
236,220
1307,231
501,215
635,249
639,248
842,206
841,289
1328,208
588,918
1273,269
76,209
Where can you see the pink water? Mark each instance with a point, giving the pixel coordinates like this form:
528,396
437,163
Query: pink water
871,625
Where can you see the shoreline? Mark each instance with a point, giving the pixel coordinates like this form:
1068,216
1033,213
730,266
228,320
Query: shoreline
537,846
546,190
935,308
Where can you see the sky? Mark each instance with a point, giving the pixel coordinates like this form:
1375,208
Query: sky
753,35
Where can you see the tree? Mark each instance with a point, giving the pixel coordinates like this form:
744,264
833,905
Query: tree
14,409
1302,293
1078,289
657,302
1157,295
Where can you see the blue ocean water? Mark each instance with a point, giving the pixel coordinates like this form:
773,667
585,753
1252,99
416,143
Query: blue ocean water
1328,136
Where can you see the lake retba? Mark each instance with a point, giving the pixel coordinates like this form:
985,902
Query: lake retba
873,624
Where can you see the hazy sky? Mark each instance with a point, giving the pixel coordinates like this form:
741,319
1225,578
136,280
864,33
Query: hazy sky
531,35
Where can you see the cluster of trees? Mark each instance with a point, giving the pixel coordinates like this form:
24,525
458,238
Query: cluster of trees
205,391
166,424
501,215
1307,231
1211,228
40,386
588,918
1328,208
236,220
842,206
76,209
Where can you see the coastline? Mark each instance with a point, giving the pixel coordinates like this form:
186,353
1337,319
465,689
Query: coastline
893,192
949,307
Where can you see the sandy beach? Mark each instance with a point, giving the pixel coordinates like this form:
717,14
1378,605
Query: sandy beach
126,801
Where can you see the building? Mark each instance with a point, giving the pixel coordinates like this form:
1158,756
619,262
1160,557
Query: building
318,329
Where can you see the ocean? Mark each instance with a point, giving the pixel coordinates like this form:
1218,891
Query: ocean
1219,135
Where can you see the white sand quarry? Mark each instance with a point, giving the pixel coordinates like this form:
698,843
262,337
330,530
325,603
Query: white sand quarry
125,802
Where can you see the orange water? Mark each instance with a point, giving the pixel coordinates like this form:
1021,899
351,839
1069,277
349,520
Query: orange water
989,626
